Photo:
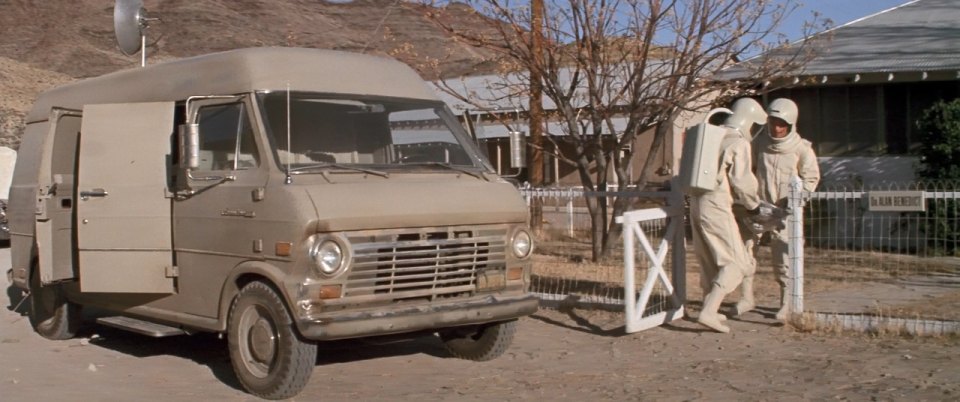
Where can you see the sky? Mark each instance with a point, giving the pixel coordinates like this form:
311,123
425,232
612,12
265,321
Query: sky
839,11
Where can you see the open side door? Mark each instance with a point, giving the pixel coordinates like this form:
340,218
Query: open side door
124,236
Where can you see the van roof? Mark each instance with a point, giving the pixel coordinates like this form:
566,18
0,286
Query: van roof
241,71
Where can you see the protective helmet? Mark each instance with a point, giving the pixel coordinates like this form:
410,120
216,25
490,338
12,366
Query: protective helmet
746,113
784,109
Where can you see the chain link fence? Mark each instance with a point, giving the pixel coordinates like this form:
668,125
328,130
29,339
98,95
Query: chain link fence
564,271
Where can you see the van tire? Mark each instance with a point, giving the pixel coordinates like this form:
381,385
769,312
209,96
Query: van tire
268,356
480,344
51,314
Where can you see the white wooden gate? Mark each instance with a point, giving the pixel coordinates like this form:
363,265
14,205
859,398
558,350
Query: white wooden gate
673,291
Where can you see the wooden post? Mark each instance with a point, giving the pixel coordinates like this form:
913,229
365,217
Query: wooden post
535,117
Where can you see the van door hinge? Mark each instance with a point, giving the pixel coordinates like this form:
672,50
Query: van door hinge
172,271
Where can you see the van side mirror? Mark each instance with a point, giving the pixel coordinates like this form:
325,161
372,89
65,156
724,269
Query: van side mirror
188,136
190,146
518,149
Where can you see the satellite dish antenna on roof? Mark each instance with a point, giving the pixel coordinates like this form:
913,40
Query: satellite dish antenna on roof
130,23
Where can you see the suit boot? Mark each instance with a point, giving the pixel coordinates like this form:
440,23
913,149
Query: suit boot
784,311
746,302
721,317
709,316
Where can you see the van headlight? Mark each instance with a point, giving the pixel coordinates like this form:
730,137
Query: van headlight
329,257
522,244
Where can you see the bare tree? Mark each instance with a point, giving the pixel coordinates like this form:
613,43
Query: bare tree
640,61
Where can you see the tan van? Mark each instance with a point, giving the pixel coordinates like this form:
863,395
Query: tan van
280,196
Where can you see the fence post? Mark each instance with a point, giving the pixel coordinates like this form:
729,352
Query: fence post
570,214
629,274
795,247
679,251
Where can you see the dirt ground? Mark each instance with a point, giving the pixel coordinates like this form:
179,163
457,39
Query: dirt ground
557,355
835,281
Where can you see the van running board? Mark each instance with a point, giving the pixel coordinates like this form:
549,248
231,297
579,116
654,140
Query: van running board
141,327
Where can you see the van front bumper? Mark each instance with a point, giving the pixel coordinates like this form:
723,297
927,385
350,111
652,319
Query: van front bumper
413,318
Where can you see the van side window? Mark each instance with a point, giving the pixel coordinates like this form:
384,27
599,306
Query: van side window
226,138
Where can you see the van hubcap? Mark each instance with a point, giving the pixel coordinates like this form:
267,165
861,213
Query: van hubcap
262,341
258,340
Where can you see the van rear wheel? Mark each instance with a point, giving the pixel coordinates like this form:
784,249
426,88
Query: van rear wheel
481,343
268,356
51,314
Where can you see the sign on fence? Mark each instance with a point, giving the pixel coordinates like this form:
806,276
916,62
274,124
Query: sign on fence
896,201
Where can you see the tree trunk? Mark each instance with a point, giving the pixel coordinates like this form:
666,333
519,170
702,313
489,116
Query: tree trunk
622,203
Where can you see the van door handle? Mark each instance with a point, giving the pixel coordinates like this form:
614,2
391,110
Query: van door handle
97,192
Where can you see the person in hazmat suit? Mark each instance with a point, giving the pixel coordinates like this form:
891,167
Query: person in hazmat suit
780,155
720,249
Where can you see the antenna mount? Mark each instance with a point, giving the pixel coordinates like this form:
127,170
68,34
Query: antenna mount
130,24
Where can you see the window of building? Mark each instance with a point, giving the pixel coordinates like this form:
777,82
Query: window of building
865,120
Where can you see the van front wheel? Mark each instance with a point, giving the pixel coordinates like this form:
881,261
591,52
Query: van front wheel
51,314
481,343
269,357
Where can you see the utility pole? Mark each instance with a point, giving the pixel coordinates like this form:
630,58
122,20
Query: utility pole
536,111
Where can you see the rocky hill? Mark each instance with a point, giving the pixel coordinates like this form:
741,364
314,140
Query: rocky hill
19,85
44,43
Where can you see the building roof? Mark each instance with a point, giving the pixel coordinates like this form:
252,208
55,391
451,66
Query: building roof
917,36
509,92
508,95
241,71
490,93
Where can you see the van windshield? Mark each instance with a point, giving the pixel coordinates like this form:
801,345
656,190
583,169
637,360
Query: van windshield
384,134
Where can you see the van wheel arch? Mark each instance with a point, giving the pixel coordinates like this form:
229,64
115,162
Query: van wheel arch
244,274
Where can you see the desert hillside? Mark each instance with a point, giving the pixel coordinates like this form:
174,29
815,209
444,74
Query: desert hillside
44,43
19,85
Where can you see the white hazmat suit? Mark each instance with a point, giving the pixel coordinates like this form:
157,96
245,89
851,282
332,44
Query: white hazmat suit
723,258
778,161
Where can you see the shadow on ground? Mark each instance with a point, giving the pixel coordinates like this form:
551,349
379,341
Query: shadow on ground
211,350
610,323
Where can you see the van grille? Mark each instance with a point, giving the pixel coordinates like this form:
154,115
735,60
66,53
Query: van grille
423,265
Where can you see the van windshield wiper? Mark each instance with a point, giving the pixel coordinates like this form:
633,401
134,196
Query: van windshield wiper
328,165
447,165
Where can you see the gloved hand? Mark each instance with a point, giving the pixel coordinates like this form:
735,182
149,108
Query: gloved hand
745,220
769,216
753,227
768,210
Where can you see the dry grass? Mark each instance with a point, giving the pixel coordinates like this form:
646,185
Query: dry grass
881,328
563,266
